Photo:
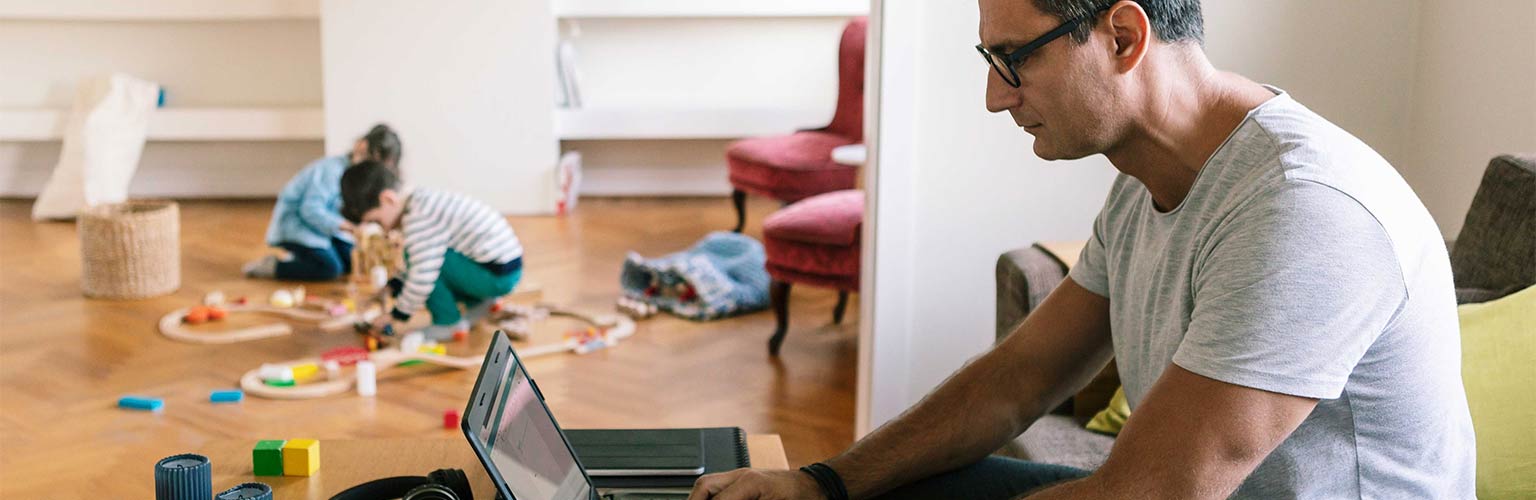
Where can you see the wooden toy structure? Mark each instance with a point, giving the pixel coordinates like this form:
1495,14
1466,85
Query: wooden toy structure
601,332
375,257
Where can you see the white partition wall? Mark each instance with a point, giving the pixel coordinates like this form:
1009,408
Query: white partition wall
469,84
954,186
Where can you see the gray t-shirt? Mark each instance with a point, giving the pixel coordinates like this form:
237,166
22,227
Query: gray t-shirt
1300,263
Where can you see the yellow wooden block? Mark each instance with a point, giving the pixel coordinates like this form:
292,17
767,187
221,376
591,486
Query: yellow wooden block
301,457
305,371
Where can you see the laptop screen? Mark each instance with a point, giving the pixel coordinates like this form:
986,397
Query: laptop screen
526,447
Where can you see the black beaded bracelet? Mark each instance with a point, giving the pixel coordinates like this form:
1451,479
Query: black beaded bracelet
831,484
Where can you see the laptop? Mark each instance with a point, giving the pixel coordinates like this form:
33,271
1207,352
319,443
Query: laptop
518,441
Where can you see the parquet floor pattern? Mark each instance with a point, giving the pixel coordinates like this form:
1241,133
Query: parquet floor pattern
65,359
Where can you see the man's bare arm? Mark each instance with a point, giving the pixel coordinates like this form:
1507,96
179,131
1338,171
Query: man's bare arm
1191,437
1058,349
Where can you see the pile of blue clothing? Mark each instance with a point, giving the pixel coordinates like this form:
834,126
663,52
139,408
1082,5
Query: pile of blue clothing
722,275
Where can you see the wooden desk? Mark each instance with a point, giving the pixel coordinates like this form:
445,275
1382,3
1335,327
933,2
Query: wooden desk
347,462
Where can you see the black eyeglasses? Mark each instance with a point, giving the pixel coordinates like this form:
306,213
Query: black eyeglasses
1004,64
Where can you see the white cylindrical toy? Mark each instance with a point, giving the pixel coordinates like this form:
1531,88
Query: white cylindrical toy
367,383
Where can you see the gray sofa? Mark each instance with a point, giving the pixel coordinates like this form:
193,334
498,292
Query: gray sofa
1493,256
1024,277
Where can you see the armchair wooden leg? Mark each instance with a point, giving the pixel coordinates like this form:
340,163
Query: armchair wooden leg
739,200
778,296
842,306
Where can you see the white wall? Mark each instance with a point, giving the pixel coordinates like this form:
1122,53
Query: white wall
956,186
1352,62
688,63
203,63
1475,98
468,84
222,64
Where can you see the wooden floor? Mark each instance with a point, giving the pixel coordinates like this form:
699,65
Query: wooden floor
64,359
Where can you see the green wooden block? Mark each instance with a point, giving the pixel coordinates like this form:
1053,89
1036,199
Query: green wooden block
267,458
278,383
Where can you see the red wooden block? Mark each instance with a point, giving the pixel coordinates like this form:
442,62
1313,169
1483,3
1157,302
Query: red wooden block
450,419
345,355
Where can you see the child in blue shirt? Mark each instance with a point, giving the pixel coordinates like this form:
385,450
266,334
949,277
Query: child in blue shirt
307,222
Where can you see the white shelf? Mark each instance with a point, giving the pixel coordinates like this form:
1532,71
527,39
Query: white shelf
663,123
184,124
709,8
158,10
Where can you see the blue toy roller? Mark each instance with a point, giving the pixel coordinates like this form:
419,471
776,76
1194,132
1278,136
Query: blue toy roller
140,403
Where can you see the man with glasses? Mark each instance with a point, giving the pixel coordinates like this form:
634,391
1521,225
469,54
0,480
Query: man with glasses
1277,300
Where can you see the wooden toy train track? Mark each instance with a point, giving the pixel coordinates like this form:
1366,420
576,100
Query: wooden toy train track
322,383
173,326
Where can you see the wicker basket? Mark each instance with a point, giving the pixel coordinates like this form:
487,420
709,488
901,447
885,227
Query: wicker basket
130,250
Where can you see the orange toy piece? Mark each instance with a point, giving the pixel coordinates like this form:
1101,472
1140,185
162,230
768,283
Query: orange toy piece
216,313
196,315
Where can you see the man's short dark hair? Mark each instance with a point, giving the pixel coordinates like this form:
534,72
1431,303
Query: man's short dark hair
1172,20
361,185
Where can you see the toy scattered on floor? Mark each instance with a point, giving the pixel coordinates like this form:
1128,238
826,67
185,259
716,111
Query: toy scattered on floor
276,373
246,491
412,342
141,403
301,457
281,298
286,303
450,419
591,340
200,314
189,476
517,319
367,381
186,476
367,367
346,355
267,458
375,255
636,308
226,396
305,371
294,457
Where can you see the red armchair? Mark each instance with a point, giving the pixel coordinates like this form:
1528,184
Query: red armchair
815,242
793,167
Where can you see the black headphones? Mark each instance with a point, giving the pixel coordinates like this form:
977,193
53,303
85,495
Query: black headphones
441,484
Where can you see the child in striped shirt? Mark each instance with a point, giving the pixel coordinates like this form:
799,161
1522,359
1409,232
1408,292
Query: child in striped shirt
457,249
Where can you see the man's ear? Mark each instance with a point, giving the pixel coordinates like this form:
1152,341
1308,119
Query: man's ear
1132,32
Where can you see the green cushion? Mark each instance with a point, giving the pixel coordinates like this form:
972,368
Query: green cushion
1112,419
1498,368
